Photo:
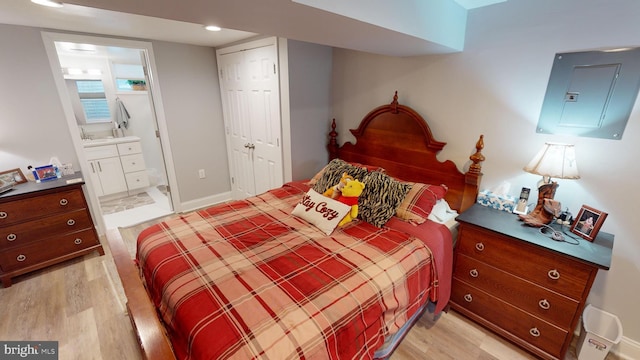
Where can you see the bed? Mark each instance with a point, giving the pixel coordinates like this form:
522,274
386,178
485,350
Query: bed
260,278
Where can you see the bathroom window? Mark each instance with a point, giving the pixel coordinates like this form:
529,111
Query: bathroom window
93,100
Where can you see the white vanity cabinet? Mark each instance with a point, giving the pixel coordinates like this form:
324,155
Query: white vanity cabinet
106,169
135,170
117,165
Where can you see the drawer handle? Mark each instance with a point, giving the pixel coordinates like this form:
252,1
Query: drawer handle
479,246
71,222
12,237
468,298
21,257
64,202
553,274
534,332
473,273
3,215
77,241
544,304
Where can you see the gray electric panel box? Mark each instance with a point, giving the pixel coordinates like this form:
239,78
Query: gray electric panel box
591,93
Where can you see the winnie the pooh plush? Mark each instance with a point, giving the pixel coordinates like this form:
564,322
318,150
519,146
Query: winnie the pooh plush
350,193
334,191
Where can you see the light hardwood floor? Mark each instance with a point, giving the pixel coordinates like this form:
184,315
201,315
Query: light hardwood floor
80,304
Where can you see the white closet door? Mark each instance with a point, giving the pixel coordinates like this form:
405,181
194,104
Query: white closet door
237,123
264,114
251,106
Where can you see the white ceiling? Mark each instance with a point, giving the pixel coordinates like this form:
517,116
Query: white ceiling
182,21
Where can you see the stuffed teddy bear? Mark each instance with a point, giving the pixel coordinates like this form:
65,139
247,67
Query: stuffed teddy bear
350,193
334,191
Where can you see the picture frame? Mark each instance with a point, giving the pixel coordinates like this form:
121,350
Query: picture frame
588,222
45,173
14,175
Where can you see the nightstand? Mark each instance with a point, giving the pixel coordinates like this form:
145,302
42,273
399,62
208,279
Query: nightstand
521,284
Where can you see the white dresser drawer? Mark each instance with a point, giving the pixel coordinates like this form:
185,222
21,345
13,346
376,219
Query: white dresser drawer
130,148
132,163
137,180
101,152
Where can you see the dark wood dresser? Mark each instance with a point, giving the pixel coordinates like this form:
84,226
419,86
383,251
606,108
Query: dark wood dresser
42,224
521,284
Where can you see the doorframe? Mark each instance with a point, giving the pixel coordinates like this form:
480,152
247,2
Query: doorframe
49,39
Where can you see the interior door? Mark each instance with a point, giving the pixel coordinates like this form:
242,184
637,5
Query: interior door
264,115
238,127
251,106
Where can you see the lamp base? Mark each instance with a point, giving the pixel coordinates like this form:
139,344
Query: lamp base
542,215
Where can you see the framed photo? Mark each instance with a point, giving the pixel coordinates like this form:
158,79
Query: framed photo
13,176
588,222
45,173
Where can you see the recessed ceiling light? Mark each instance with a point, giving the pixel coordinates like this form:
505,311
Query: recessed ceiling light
212,28
49,3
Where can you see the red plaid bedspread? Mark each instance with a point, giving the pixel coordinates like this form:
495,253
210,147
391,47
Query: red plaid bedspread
248,280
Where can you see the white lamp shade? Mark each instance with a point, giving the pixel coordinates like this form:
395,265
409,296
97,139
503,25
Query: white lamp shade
555,161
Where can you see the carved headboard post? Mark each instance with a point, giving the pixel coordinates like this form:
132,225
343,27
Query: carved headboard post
333,141
473,176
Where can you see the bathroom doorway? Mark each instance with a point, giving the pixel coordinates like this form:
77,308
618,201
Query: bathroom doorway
107,91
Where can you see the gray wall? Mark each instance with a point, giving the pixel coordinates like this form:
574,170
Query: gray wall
191,96
33,127
310,106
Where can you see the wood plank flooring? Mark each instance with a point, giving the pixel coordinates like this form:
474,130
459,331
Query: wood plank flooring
80,304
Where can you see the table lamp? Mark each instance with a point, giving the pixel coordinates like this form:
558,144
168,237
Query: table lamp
552,161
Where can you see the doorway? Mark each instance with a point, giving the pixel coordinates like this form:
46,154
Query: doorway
108,97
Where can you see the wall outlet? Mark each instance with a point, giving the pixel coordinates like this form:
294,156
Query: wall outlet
201,174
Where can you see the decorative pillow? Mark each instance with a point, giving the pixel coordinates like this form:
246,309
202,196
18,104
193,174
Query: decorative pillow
339,162
323,212
333,173
417,205
380,198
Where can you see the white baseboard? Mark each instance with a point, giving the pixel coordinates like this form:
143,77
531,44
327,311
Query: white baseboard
206,201
627,349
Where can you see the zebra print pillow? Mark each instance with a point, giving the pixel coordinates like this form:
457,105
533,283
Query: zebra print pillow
381,197
332,173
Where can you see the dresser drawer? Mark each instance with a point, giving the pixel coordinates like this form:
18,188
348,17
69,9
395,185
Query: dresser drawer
27,232
131,163
548,305
37,252
129,148
510,321
101,152
45,205
137,180
544,268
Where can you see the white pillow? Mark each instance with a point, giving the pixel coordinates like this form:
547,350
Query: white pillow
441,212
323,212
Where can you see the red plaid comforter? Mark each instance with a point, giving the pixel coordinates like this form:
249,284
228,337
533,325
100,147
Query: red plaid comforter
246,279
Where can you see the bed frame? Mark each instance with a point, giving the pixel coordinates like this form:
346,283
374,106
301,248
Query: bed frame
381,139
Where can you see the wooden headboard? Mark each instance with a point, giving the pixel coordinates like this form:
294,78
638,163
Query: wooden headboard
398,139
